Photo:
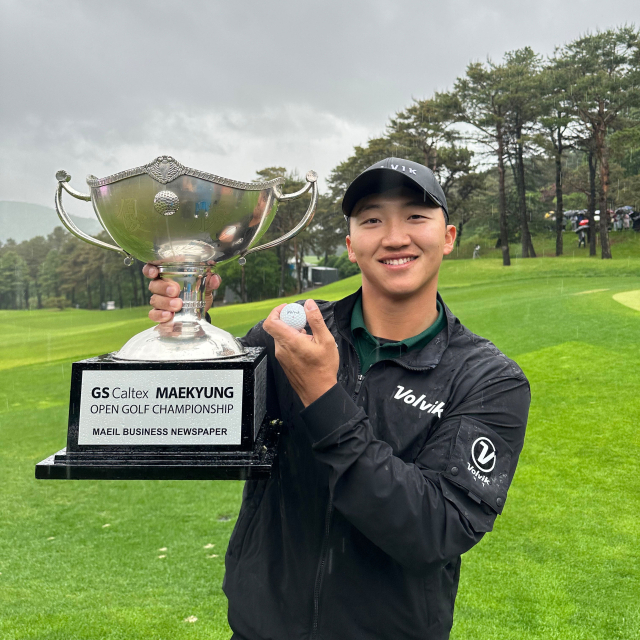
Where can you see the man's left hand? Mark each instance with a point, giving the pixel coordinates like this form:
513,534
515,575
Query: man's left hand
310,362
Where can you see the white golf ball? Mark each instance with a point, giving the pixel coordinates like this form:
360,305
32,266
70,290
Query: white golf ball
294,315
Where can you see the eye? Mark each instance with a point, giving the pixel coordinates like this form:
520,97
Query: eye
418,216
370,221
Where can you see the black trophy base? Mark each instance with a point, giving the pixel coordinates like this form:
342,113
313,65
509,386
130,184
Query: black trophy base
170,465
191,420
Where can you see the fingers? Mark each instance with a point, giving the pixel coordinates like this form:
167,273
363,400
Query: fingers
151,271
164,299
213,282
277,328
316,322
166,288
274,317
164,303
156,315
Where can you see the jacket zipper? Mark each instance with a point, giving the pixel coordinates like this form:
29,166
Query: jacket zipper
320,574
325,541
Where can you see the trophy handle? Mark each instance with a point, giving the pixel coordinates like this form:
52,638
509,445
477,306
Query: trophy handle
63,178
312,184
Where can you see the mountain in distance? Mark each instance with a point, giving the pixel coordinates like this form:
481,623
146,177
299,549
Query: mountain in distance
23,221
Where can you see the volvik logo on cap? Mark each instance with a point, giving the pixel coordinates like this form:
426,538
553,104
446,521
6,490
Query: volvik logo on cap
399,167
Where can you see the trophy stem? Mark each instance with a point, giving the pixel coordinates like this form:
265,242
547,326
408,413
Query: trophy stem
191,280
188,336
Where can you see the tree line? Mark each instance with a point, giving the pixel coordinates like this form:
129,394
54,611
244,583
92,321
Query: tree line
515,132
511,140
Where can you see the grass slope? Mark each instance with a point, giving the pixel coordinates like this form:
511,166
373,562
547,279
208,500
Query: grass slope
561,563
624,244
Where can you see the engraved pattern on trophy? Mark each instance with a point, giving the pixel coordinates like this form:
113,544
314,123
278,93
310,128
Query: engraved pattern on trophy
186,222
128,214
164,169
176,169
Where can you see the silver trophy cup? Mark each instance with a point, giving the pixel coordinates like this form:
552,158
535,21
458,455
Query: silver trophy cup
186,222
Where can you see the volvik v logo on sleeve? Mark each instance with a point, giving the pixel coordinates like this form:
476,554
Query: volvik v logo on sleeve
483,453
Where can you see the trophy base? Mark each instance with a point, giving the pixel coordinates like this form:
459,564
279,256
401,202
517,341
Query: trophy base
180,342
156,465
189,420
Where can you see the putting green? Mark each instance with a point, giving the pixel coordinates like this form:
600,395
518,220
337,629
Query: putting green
629,299
581,293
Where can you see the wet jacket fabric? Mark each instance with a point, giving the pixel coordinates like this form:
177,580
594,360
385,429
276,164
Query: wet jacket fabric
378,488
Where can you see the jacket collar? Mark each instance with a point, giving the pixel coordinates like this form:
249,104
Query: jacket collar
426,358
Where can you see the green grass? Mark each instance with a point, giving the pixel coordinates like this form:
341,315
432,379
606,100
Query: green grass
562,562
623,245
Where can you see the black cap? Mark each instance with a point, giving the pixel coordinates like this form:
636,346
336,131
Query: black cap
389,174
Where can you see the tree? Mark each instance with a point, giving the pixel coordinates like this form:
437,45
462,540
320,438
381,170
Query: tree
556,116
48,274
520,78
13,272
345,267
425,133
329,228
288,215
422,131
605,74
461,200
261,279
478,99
33,252
623,150
362,157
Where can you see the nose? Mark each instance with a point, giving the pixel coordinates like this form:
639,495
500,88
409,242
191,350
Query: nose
396,236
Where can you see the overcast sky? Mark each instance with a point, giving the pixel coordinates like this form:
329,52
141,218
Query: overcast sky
99,86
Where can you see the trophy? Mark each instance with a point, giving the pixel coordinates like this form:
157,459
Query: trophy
184,399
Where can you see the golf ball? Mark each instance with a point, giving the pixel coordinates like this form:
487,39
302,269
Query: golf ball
294,315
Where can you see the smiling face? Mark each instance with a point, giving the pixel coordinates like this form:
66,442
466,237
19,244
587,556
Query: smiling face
398,241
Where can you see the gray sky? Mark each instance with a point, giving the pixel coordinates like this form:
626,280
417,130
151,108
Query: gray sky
230,87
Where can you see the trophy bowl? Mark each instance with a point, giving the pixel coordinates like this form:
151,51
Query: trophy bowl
186,222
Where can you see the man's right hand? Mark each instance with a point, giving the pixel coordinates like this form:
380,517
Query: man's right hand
165,300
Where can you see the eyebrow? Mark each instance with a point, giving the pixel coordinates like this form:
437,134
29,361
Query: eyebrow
371,205
414,202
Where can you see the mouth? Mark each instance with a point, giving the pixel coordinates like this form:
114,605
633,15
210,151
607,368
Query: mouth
398,261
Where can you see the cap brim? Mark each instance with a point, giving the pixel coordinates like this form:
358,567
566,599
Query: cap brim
378,181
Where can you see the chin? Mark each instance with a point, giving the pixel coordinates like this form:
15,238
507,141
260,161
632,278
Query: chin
398,288
399,291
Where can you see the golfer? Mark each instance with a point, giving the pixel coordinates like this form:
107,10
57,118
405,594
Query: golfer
397,447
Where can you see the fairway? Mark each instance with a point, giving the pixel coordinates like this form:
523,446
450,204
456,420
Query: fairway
143,560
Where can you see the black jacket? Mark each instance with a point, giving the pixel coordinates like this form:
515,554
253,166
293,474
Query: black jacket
378,488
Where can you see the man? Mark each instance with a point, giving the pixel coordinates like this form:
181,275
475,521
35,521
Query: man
397,448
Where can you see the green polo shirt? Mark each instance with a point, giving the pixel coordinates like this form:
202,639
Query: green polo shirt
371,349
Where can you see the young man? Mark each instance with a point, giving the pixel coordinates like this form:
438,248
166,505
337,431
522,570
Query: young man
398,446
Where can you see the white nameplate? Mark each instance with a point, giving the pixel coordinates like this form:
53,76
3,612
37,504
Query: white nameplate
162,406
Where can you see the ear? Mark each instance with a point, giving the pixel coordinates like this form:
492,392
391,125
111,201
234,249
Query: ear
352,255
449,239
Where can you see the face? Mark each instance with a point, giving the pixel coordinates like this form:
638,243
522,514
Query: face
398,241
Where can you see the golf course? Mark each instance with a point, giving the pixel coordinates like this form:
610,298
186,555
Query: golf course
134,560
